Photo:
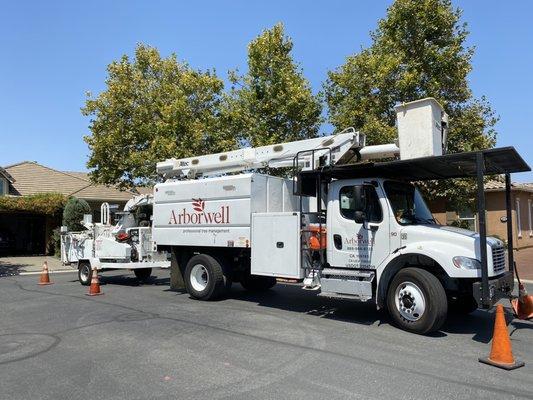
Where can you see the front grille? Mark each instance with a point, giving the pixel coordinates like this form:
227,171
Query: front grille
498,259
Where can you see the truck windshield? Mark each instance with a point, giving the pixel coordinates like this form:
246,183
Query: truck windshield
407,204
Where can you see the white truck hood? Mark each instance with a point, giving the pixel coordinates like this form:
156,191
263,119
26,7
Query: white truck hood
442,243
459,236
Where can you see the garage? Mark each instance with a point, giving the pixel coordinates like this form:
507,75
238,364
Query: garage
22,234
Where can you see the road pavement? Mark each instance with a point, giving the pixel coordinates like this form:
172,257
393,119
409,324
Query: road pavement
147,342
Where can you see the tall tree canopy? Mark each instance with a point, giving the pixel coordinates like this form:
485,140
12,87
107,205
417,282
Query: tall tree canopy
272,102
418,50
153,108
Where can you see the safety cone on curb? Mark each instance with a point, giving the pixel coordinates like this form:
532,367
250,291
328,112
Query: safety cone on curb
45,278
501,353
523,305
94,289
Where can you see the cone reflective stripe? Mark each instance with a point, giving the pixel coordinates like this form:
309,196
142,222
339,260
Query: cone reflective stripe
94,289
523,306
45,278
501,353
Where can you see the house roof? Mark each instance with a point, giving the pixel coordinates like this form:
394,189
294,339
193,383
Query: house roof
29,177
496,186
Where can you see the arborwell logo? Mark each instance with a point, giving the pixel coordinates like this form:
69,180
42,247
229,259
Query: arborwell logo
199,216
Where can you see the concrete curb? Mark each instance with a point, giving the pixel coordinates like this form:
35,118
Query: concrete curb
61,271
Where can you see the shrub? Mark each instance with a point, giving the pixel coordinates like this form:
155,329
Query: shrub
73,213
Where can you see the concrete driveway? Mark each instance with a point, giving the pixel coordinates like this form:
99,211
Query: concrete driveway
147,342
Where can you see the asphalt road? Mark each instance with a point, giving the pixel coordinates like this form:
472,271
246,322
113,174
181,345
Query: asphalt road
147,342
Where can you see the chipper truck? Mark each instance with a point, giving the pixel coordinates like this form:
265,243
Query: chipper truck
124,244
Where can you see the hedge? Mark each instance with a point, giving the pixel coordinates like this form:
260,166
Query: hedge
41,203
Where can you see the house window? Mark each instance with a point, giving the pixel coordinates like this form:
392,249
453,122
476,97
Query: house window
529,205
3,186
518,218
467,219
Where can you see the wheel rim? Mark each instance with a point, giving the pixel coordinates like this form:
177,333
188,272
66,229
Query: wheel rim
84,273
410,301
199,277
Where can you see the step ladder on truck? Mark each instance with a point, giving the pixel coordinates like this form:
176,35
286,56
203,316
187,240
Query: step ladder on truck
124,245
346,225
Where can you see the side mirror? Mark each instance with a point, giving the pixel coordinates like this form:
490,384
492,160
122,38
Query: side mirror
359,197
359,217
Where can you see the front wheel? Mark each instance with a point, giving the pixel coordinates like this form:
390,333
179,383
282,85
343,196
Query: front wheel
417,301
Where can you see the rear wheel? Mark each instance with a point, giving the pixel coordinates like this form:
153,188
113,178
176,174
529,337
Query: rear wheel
256,283
143,274
84,273
417,301
205,278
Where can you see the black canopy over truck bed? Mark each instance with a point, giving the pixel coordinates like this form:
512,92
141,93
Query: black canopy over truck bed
475,164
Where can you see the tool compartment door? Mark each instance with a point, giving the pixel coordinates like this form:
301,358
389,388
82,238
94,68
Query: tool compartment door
276,245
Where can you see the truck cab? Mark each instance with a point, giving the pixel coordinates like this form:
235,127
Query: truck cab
377,227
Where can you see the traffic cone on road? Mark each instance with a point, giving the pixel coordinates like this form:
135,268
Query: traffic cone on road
94,289
501,353
45,278
523,305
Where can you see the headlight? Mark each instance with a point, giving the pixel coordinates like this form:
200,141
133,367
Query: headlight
466,263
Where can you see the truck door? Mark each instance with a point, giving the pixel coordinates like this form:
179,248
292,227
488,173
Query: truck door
351,244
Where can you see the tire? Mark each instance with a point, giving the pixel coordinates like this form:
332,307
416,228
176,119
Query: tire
85,273
462,305
412,285
143,274
256,283
205,278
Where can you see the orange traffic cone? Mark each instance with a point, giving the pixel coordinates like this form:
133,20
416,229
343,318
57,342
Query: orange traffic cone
94,289
523,305
45,278
501,353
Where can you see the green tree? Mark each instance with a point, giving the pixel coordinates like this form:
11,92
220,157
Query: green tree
73,213
272,102
417,51
153,108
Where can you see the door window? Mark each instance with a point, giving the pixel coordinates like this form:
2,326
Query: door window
347,203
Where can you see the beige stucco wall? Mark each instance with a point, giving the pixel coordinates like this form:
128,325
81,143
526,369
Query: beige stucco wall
495,203
495,209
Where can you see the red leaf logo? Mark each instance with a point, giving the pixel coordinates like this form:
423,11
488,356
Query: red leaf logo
198,205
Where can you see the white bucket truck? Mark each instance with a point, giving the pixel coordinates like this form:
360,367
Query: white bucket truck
104,246
344,225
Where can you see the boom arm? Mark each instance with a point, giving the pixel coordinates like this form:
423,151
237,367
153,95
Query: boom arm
275,156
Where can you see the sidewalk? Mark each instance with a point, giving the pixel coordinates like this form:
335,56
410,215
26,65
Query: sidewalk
31,265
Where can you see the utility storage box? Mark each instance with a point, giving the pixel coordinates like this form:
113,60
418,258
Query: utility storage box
422,127
276,249
217,211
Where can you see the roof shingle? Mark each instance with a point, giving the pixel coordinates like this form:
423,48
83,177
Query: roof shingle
31,178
